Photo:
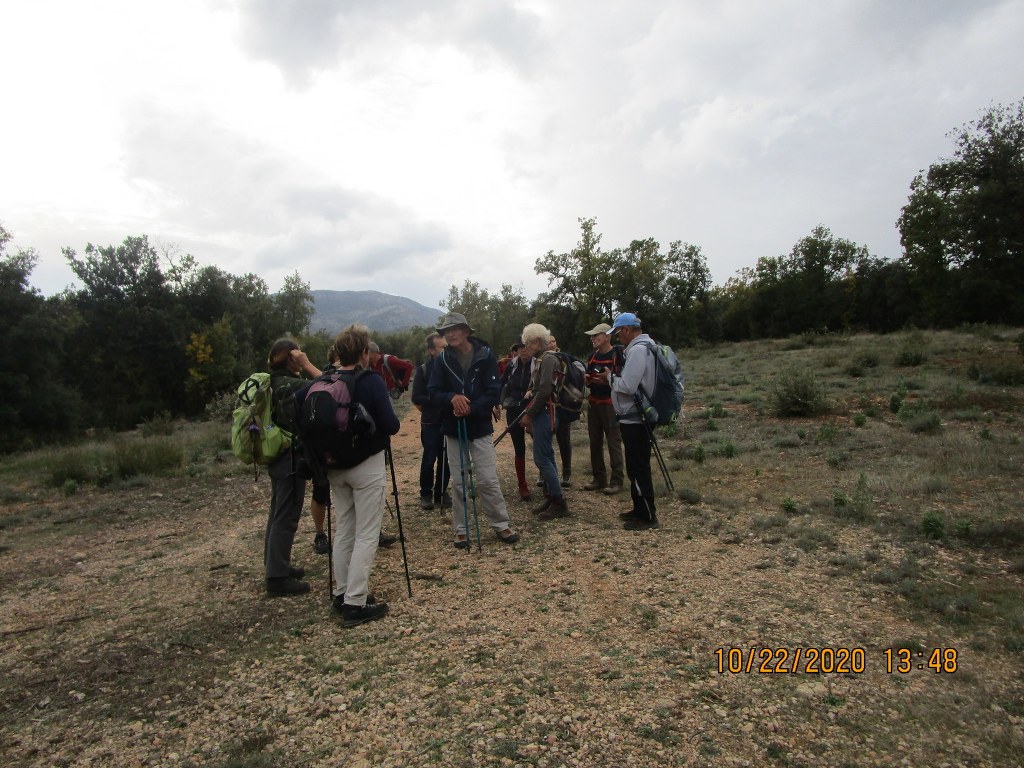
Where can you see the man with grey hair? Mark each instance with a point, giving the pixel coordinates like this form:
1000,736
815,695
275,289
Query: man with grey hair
639,371
541,420
464,384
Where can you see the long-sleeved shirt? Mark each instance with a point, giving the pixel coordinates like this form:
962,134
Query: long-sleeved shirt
639,370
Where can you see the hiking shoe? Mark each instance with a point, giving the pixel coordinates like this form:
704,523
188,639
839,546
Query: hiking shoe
296,572
338,602
321,544
284,586
594,486
558,508
462,541
354,615
641,524
567,482
444,500
386,540
426,502
612,489
542,507
508,536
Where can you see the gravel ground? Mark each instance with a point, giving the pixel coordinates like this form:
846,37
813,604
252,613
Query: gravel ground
135,633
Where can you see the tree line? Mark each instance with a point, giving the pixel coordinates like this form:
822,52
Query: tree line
151,332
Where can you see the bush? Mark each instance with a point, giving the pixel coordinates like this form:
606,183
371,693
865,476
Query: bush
798,393
221,407
147,458
160,424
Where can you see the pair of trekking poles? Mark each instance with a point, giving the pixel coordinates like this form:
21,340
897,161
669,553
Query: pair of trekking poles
397,513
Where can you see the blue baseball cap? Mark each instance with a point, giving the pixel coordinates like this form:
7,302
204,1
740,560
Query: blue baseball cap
625,320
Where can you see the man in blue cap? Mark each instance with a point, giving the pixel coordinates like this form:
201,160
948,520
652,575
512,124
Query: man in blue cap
639,370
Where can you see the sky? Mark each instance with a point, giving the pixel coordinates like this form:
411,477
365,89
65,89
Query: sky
412,145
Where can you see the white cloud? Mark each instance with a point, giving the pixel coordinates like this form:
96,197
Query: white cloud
408,146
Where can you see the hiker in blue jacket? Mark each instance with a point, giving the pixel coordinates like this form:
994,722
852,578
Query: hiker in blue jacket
464,384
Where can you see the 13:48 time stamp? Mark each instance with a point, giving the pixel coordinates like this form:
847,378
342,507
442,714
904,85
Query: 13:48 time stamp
849,660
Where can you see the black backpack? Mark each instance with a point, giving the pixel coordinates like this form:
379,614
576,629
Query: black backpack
334,430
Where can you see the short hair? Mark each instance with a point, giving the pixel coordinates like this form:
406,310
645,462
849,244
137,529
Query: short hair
280,351
431,340
332,354
372,346
351,343
535,331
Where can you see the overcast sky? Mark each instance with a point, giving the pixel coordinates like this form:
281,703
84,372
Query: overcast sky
407,146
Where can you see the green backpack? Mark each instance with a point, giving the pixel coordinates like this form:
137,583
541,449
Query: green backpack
255,439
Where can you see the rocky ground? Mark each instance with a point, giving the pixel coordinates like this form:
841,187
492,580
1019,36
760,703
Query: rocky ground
135,632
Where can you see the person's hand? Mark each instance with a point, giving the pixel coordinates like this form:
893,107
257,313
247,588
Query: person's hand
496,413
526,422
460,405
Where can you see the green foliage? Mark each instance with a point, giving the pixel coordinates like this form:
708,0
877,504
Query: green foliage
798,393
933,525
963,226
100,463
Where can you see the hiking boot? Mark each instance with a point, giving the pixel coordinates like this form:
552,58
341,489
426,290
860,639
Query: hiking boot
525,495
462,542
508,536
321,544
338,602
426,502
641,524
632,515
612,489
354,615
542,507
386,540
444,500
567,482
296,572
593,486
558,508
286,585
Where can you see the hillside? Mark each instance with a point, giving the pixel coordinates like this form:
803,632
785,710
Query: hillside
334,310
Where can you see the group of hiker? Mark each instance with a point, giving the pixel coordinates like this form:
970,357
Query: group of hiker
343,419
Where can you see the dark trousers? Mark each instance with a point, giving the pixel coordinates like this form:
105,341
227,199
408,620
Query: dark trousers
636,445
564,440
434,472
516,431
287,492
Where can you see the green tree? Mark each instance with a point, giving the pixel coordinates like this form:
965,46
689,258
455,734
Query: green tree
294,305
962,228
39,403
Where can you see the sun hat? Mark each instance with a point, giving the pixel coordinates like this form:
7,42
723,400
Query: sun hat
625,320
452,320
599,328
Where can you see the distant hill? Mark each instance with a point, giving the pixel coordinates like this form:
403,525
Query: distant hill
334,310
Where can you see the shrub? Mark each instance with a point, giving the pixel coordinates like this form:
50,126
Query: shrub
147,458
924,421
160,424
221,407
933,525
798,393
910,358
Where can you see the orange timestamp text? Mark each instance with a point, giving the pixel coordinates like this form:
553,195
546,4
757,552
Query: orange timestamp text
841,660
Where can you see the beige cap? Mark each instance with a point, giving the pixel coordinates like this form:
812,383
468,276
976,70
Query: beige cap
599,328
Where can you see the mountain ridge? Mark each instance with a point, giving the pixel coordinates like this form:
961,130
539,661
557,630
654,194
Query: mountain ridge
333,310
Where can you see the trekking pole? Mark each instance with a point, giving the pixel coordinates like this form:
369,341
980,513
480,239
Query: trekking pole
444,472
513,422
466,465
654,444
388,458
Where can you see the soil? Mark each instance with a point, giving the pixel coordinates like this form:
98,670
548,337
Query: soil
136,632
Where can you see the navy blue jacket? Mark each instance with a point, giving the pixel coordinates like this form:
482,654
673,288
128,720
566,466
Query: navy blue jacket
480,384
431,412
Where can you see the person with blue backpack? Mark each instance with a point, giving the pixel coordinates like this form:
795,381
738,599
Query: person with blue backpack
639,375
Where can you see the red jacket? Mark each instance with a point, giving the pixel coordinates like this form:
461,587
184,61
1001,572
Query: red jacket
395,370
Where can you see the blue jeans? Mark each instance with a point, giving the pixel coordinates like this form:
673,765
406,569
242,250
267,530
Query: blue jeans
544,452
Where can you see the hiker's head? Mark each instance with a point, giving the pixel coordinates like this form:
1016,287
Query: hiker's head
600,336
281,354
519,349
435,343
626,326
455,329
552,343
353,345
536,337
374,352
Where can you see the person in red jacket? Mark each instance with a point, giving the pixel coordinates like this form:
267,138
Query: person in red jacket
396,371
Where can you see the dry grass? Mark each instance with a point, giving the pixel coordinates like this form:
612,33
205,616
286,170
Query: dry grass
135,631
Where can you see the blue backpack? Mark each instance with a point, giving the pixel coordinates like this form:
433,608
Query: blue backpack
663,405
